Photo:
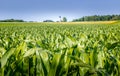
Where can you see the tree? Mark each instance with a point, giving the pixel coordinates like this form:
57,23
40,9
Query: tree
64,19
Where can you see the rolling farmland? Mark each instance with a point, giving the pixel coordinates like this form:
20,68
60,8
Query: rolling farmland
60,49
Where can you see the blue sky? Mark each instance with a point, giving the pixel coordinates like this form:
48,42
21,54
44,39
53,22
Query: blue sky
39,10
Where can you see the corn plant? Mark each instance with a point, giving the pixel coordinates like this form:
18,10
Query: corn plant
56,49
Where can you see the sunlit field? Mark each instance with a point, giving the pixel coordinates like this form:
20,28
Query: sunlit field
88,22
60,49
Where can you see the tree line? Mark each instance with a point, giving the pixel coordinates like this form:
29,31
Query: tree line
12,20
64,19
84,18
98,18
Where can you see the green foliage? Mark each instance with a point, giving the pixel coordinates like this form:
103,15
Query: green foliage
64,19
11,20
48,21
54,49
98,18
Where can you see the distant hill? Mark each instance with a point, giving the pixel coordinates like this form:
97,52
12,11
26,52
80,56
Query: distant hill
98,18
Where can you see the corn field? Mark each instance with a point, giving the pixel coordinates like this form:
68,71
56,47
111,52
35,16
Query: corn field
56,49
